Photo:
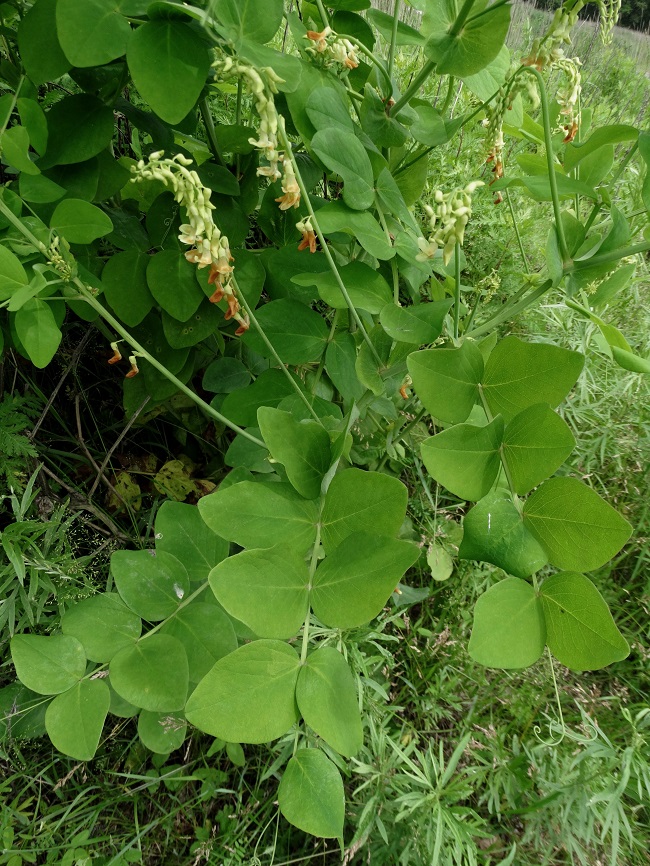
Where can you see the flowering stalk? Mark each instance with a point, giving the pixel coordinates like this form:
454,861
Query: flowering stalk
447,221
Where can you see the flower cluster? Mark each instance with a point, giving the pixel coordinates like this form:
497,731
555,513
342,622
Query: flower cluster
609,12
208,246
447,221
332,48
308,235
548,49
262,84
569,95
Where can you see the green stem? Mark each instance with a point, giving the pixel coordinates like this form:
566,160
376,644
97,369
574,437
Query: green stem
517,234
206,114
286,144
456,289
606,258
463,15
414,86
490,418
449,94
323,13
510,310
596,208
393,38
312,571
550,161
13,104
269,345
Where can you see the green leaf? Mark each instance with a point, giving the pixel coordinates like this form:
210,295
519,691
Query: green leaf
494,532
206,633
447,380
384,23
14,145
12,274
124,278
577,528
169,63
340,364
508,630
367,289
153,674
48,665
418,324
172,282
326,110
248,696
478,43
519,375
344,155
38,331
311,795
465,459
181,531
103,624
33,119
580,631
303,447
440,562
535,443
80,222
335,216
91,32
39,47
75,719
151,582
79,127
382,129
327,700
630,361
355,581
251,19
163,733
604,135
255,515
297,333
225,375
356,501
266,589
269,389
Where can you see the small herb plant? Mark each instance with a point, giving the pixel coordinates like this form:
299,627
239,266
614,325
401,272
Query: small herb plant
228,190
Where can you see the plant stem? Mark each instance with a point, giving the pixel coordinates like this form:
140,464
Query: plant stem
463,15
510,310
449,94
414,86
456,289
393,38
322,12
206,114
614,256
13,104
550,161
312,571
517,234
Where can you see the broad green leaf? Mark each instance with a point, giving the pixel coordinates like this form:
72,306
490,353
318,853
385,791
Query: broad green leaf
344,155
79,127
206,633
269,389
494,532
519,375
248,696
163,733
153,674
39,47
610,287
429,128
328,702
370,365
366,287
447,380
255,515
303,447
12,274
38,331
406,35
75,719
225,375
358,501
508,630
535,443
464,458
33,119
340,364
181,531
580,631
418,324
440,562
297,333
477,43
335,217
604,135
14,146
22,712
124,278
486,83
80,222
91,32
250,19
169,63
326,110
151,582
266,589
285,65
630,361
355,581
311,795
103,624
577,528
48,665
382,129
172,282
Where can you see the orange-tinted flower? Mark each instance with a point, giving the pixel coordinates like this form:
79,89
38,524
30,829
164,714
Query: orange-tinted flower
116,354
571,132
319,39
308,241
134,368
244,325
217,295
233,306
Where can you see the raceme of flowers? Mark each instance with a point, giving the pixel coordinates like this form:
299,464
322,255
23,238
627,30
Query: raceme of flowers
332,48
447,221
209,248
263,85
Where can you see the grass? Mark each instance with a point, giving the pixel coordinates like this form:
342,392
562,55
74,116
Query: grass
460,765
